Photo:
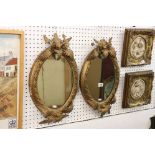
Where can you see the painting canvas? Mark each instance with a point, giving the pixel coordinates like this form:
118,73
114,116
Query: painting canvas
10,49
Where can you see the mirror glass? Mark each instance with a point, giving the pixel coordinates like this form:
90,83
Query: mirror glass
100,79
55,82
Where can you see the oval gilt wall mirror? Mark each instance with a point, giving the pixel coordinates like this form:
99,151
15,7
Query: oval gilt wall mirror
53,80
99,76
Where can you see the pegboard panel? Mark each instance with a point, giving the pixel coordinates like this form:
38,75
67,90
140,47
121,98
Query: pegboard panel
82,37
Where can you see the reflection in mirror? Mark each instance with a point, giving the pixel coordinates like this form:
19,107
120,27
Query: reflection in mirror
54,82
100,78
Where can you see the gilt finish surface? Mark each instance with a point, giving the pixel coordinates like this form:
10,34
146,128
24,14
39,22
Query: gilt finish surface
59,48
137,89
103,49
137,48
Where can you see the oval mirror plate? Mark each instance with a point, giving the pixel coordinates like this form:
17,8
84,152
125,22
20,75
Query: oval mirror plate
54,82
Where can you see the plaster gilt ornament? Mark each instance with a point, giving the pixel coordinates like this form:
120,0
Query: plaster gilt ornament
53,80
137,89
137,48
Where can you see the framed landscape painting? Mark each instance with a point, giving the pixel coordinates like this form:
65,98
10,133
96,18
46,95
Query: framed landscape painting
11,78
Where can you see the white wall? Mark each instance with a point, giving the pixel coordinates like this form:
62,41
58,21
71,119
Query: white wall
135,120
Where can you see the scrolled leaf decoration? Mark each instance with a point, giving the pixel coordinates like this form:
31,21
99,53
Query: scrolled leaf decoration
59,46
59,49
103,49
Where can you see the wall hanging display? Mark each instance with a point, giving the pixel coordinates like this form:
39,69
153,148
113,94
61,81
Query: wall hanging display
81,45
11,78
100,76
137,88
137,48
53,80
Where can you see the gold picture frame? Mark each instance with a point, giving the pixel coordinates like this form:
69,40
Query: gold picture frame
137,88
13,43
58,49
137,47
103,49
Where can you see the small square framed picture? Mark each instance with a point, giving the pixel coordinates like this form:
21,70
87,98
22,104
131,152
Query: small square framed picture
11,78
137,47
137,89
